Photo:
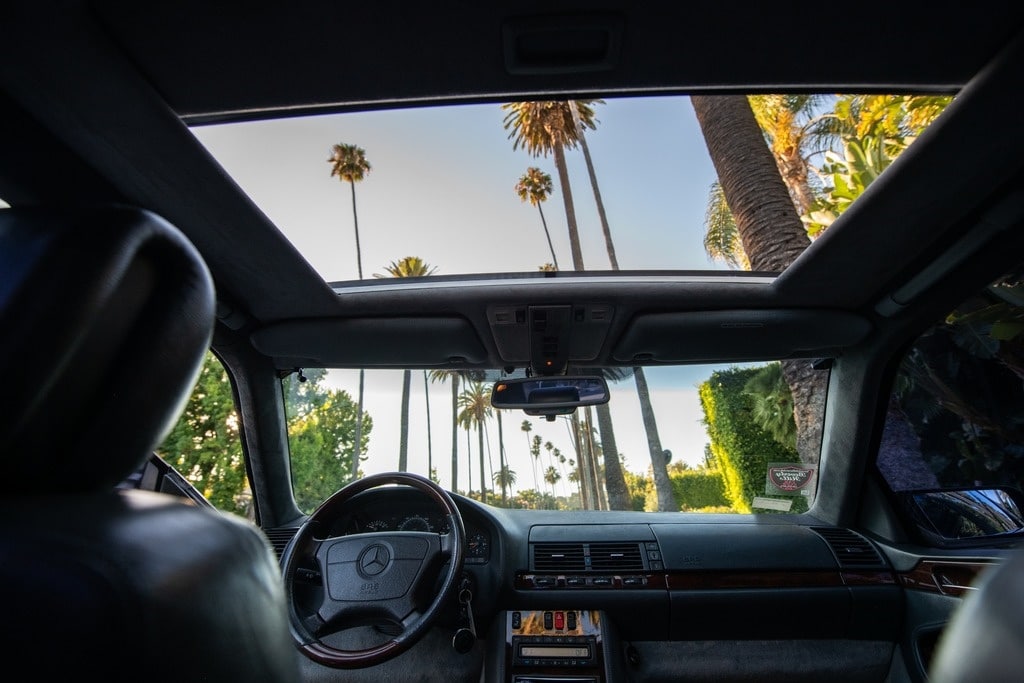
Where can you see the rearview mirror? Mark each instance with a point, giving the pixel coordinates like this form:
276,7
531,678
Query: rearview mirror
558,395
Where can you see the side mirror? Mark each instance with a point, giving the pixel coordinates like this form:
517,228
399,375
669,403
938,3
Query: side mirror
549,395
967,516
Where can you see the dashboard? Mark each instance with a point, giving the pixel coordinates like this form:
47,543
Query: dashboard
389,509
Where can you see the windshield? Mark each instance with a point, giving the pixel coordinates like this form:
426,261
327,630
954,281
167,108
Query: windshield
696,438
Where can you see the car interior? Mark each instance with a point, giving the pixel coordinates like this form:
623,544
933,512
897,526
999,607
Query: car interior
161,247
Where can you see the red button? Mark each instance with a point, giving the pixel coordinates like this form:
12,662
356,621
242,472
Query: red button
559,621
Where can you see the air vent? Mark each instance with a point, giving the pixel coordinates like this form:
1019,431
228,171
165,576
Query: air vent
279,538
559,557
585,557
851,550
615,557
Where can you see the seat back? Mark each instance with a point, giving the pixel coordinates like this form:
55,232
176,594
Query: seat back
105,316
984,641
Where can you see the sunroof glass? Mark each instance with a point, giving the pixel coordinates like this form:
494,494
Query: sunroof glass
619,184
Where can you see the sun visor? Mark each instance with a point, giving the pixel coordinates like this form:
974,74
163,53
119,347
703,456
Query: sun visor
699,336
372,342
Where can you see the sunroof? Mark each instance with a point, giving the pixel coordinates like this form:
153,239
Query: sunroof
481,188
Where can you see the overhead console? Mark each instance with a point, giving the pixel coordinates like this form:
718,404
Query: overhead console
547,338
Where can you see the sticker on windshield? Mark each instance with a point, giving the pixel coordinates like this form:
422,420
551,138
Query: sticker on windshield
789,479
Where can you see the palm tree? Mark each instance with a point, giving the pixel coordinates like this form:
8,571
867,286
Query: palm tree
535,452
430,446
659,464
526,427
721,238
408,266
581,116
577,119
794,133
543,128
551,476
349,163
501,458
453,376
475,401
772,404
535,187
505,478
769,228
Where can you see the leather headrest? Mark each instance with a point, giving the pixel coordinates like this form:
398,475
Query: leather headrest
105,316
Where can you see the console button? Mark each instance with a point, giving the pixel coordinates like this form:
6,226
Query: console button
548,621
570,620
517,620
559,621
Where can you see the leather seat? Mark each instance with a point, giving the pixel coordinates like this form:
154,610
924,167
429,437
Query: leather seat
105,316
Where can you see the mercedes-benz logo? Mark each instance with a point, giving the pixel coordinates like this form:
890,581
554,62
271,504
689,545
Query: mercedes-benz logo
374,560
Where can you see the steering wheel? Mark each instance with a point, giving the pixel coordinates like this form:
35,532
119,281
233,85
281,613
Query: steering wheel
370,578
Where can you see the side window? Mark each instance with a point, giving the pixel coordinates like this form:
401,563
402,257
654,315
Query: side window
205,446
956,413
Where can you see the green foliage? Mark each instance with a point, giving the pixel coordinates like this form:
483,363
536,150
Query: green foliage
960,388
874,130
741,450
640,488
205,446
698,489
321,439
721,236
847,176
772,404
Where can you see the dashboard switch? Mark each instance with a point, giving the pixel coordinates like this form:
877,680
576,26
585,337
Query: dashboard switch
548,621
559,621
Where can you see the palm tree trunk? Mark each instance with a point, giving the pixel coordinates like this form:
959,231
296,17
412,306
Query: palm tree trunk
359,408
547,234
600,496
469,461
570,211
582,469
808,387
659,468
430,450
455,431
501,461
358,437
593,184
614,480
770,229
355,222
403,438
483,472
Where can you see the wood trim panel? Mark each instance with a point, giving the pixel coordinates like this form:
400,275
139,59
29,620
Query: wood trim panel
716,580
945,577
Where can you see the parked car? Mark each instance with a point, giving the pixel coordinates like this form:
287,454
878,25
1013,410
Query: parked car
607,342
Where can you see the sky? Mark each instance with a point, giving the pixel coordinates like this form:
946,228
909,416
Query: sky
441,187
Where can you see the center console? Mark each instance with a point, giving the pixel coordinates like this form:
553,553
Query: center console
551,646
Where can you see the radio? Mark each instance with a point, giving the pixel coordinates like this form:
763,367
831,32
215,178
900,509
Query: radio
554,651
